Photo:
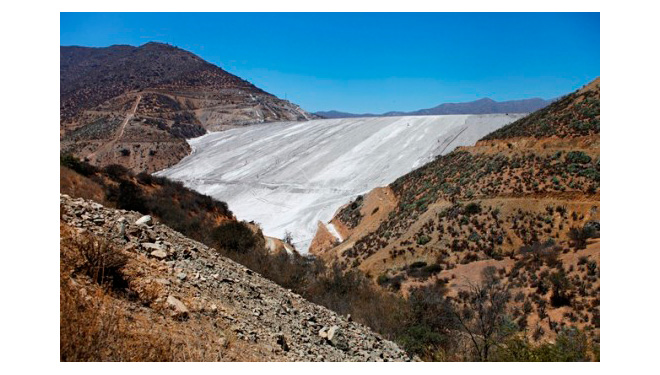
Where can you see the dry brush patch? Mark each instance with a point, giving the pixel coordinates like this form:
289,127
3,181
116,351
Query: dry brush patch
102,319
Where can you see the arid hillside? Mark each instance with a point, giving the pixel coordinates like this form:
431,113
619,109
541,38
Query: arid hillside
135,106
524,200
107,318
132,289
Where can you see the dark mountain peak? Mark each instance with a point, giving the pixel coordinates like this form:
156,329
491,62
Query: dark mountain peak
484,100
165,48
103,73
158,44
479,106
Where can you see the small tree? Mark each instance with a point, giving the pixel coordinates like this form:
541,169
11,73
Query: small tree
288,238
579,236
234,237
561,287
429,328
484,313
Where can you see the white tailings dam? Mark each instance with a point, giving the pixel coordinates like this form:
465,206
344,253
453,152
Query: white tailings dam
288,176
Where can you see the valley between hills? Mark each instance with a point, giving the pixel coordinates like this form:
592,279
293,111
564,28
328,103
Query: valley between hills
215,221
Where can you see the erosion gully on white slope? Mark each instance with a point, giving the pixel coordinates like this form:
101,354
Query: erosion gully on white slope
288,176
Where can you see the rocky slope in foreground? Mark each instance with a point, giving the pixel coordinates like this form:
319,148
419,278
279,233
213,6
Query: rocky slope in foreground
135,106
175,298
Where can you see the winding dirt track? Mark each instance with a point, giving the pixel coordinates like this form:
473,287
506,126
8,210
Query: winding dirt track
108,145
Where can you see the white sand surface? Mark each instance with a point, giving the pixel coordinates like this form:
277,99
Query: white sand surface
289,175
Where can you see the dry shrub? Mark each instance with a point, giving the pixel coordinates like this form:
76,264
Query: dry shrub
100,261
148,293
98,329
92,329
98,323
76,185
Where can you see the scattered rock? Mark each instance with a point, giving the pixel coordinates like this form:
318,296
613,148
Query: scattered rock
122,227
257,310
151,246
180,310
336,338
145,220
160,254
281,341
332,332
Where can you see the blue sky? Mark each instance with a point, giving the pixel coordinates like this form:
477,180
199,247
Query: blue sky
372,62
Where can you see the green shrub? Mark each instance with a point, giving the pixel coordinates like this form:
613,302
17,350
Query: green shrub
130,197
71,162
116,172
579,236
382,279
418,264
571,345
578,157
423,341
423,240
472,208
561,287
420,270
235,237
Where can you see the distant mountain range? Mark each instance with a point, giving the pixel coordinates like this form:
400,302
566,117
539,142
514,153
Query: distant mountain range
481,106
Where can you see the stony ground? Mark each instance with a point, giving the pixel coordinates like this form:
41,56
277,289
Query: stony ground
183,281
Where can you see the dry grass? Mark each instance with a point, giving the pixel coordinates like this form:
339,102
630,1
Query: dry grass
76,185
99,322
92,330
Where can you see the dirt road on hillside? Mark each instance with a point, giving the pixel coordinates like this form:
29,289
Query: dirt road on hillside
108,145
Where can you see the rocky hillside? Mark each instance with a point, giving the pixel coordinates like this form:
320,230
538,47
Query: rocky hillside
134,289
135,106
525,200
574,115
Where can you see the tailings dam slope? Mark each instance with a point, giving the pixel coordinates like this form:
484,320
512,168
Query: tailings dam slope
287,176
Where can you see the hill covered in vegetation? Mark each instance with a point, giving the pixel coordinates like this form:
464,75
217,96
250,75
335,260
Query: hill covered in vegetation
524,203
